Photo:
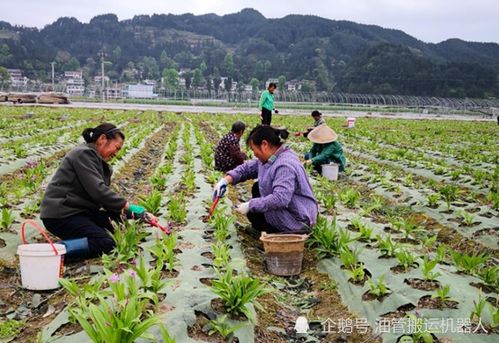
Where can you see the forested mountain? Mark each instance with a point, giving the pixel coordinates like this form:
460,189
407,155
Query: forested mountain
331,55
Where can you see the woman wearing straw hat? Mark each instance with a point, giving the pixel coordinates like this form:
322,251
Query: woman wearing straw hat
326,149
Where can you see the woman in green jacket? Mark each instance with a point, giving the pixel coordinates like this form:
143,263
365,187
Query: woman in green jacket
326,149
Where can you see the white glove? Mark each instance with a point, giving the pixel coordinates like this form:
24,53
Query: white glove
220,189
243,208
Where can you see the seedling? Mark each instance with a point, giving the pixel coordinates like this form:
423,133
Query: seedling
427,269
449,193
405,258
176,208
387,246
221,326
163,250
350,258
467,218
213,177
479,306
469,263
490,276
328,200
379,288
328,240
189,180
158,182
238,291
419,327
350,197
7,219
127,236
442,294
357,273
221,253
152,203
433,199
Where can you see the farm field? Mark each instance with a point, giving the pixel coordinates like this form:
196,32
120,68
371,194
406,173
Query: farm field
405,248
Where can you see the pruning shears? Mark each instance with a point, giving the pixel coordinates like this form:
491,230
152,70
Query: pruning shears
212,208
154,222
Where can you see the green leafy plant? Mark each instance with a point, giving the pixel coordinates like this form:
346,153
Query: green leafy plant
7,219
158,182
11,328
379,288
442,294
164,250
237,292
467,218
468,263
176,208
427,269
432,200
328,200
490,276
152,203
189,180
222,326
328,241
387,246
127,236
449,192
350,197
150,278
121,318
214,176
479,306
405,258
221,253
357,273
350,258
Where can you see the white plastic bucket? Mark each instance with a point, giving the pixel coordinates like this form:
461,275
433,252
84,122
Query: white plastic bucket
330,171
41,264
351,122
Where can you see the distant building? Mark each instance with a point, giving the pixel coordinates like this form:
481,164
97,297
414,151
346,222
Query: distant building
293,85
98,79
115,92
17,80
276,81
141,91
75,84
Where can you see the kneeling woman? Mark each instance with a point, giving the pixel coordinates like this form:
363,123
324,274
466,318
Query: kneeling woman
283,200
326,149
79,204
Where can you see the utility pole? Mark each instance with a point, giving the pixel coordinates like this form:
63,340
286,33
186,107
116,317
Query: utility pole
102,54
53,87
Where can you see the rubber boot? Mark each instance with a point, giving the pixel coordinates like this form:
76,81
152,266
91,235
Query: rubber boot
76,249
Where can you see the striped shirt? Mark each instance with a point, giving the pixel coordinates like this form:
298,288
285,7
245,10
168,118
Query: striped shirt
287,200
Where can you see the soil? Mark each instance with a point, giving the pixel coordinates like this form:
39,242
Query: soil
483,287
423,285
197,331
401,312
369,297
401,269
427,302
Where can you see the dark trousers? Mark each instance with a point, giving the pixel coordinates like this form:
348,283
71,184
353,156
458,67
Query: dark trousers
266,116
95,226
258,220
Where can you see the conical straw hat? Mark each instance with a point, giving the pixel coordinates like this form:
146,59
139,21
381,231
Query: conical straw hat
322,134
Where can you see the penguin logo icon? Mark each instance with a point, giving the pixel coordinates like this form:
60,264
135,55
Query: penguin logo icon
301,325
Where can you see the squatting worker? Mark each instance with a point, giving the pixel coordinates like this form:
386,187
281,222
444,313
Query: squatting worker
228,154
282,199
79,204
267,103
326,149
318,120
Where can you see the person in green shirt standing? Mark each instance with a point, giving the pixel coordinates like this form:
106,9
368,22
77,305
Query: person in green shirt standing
326,149
267,103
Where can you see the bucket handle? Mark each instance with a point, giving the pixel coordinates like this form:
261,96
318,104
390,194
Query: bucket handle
42,231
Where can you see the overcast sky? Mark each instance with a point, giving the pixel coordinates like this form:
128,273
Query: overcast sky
427,20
